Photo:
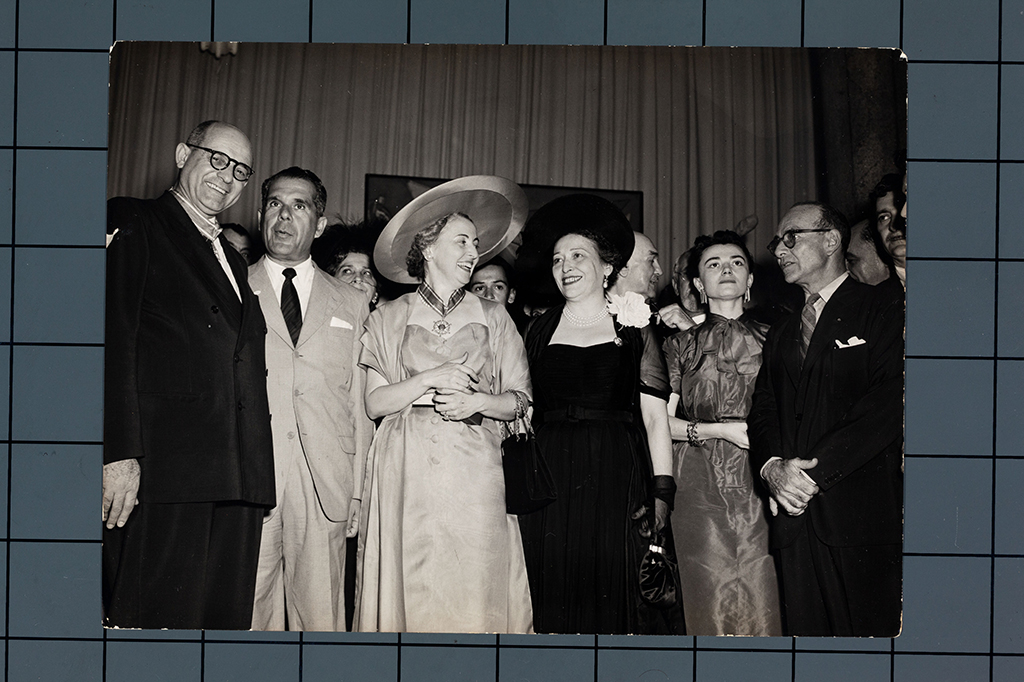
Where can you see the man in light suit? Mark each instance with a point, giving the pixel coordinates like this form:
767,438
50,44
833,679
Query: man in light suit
186,428
826,432
321,432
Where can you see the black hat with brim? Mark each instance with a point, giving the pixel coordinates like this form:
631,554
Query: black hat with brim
569,214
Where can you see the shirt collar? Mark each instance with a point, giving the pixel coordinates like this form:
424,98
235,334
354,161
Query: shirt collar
207,225
826,291
301,270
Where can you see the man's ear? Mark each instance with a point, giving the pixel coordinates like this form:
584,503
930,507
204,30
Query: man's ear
181,153
321,224
511,295
833,241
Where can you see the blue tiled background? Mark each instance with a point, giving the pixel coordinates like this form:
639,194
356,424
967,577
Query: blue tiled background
964,570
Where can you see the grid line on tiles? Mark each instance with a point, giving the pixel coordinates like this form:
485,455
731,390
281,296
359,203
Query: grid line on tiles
986,358
506,20
53,344
995,364
45,541
703,41
213,27
792,644
901,28
56,442
965,457
604,41
62,50
57,246
408,21
52,148
10,354
310,40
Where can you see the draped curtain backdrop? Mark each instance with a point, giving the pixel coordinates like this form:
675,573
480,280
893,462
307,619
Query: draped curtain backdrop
708,136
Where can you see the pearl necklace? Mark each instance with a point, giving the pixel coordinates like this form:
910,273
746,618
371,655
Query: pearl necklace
577,321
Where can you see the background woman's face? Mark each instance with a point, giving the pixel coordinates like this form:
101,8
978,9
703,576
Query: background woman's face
724,272
355,269
577,267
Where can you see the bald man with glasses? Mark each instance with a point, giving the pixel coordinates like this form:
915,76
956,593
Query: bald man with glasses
826,433
188,457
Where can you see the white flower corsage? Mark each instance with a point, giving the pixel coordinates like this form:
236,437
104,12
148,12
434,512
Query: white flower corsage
630,309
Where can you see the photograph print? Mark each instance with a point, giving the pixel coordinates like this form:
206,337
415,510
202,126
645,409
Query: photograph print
511,339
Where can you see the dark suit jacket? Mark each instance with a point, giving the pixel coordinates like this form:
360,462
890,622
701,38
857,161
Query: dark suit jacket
185,375
845,407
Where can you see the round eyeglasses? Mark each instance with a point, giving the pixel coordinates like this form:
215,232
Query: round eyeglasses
220,161
788,238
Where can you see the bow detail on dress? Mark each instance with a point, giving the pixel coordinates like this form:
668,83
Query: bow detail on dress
735,343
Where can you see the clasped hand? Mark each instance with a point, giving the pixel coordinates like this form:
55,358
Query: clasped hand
790,487
453,384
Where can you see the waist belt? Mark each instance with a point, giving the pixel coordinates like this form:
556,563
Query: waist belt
574,413
472,420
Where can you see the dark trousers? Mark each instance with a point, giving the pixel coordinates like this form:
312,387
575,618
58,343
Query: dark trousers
184,566
841,591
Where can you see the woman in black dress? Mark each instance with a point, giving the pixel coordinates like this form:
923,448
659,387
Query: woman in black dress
599,385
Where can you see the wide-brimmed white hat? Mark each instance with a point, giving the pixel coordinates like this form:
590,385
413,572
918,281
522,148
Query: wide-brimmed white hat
497,206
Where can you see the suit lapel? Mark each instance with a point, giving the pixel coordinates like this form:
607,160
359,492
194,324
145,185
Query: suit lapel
790,348
260,282
197,253
831,316
321,303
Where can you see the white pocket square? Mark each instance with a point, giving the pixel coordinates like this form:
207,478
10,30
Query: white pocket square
853,341
336,322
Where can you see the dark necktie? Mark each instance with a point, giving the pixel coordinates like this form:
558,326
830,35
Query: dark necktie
808,319
290,306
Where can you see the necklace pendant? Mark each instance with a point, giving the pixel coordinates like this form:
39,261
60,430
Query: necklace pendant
442,327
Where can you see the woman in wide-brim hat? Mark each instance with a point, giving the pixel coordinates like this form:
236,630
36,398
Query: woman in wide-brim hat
598,379
443,368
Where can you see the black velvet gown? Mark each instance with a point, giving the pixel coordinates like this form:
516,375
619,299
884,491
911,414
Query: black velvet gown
583,551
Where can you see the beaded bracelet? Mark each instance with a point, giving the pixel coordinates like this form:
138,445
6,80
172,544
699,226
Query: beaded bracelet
691,434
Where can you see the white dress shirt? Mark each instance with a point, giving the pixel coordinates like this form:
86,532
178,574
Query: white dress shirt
303,280
210,229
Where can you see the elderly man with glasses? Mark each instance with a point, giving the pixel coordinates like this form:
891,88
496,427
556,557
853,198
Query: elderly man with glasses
188,463
826,431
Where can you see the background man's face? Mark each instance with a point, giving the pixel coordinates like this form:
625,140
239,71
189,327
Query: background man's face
862,258
212,191
890,227
289,222
490,282
240,243
644,269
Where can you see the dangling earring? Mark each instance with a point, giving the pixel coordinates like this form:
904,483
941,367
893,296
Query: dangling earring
746,295
703,296
373,301
604,284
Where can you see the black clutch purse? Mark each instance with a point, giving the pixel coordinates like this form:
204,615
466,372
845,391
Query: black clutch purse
659,575
529,485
